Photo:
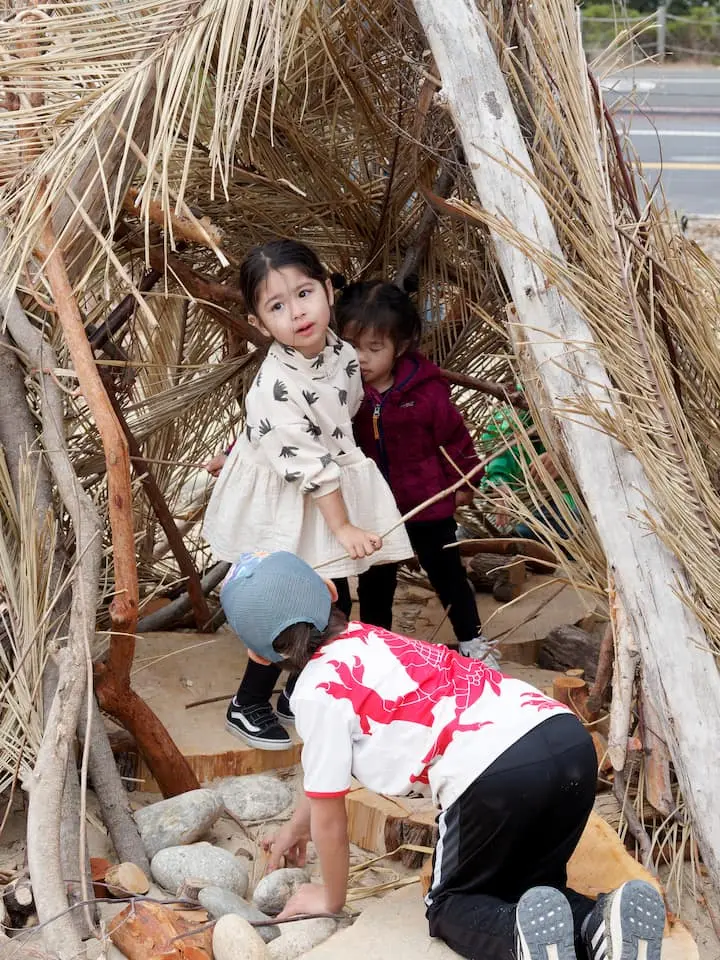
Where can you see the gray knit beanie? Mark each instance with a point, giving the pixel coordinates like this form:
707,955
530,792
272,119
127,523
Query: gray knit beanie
264,593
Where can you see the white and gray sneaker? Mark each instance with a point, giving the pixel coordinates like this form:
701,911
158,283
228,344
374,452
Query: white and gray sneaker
627,924
480,649
258,725
544,926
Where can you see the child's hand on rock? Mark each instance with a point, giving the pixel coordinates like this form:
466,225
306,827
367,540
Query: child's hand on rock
309,898
358,543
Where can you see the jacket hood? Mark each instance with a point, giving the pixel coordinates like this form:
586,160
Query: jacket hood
413,369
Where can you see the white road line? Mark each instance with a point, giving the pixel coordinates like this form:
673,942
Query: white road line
671,133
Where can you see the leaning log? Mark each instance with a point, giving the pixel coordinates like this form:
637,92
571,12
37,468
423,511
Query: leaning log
566,647
559,348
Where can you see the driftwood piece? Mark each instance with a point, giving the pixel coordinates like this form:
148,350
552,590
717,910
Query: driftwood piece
566,647
201,613
165,617
658,785
113,681
603,673
109,789
625,669
46,784
147,930
122,879
572,691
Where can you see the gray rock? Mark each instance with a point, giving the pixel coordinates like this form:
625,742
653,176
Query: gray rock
173,865
234,939
256,797
297,938
178,820
219,902
275,889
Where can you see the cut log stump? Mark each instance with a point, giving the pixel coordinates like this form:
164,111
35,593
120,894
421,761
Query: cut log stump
569,647
122,879
382,824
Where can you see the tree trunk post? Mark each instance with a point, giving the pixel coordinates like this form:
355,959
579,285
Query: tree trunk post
558,343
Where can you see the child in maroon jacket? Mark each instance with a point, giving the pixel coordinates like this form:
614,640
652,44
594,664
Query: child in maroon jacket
406,417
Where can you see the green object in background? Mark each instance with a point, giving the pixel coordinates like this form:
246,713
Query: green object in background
506,469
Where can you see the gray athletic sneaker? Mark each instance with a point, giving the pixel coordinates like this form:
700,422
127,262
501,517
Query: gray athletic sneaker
544,926
627,924
480,649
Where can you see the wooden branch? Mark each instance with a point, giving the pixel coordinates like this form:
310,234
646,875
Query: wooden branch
514,397
658,785
634,823
416,252
201,612
195,230
46,784
625,669
119,315
169,767
604,671
145,930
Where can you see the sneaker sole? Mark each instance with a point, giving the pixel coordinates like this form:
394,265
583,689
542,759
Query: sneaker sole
635,919
258,741
544,924
285,720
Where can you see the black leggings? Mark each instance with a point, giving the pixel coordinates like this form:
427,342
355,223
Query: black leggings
376,592
513,828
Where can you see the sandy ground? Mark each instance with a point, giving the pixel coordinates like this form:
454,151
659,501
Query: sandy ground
706,233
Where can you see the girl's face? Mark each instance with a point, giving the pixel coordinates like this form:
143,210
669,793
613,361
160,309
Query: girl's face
376,356
294,309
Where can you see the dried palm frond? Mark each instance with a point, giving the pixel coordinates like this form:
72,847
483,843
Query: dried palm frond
27,606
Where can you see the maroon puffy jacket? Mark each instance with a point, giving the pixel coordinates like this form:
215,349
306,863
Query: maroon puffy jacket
403,429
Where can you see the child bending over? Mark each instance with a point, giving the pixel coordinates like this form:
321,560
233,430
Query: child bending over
512,771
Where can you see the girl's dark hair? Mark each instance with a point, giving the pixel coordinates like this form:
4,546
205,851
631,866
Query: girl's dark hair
298,643
381,306
274,255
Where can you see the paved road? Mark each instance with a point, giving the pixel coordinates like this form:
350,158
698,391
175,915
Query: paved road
673,118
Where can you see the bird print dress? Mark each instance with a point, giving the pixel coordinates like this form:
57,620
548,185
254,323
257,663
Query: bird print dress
297,446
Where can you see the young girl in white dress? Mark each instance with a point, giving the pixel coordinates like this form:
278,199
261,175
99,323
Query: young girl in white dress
296,480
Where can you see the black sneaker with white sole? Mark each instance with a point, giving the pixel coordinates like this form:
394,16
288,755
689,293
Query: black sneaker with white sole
544,926
283,708
627,924
257,725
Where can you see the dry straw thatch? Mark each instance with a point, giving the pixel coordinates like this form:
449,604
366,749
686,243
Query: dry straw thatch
234,120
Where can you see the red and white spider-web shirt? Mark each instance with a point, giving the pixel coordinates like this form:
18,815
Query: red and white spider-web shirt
402,715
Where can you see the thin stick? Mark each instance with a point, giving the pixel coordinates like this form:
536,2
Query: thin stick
633,821
201,703
463,481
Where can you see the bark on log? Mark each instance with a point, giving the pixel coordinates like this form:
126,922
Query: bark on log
603,674
552,335
166,616
144,930
568,646
115,695
46,783
624,672
658,785
109,789
201,613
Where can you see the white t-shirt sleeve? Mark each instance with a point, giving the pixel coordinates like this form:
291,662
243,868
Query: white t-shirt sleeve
326,730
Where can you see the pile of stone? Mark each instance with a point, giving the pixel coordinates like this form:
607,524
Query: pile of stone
182,862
